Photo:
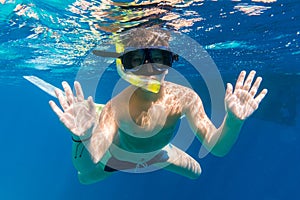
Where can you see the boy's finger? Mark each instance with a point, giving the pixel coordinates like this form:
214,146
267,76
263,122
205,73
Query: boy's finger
249,80
240,80
79,92
56,109
91,104
68,91
62,99
255,86
262,95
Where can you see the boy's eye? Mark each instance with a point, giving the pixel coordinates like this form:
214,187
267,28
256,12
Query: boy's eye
136,61
157,59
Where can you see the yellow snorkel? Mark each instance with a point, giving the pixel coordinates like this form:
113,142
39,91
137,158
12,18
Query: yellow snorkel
147,84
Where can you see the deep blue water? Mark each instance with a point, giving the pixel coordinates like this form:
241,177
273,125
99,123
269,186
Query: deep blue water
51,39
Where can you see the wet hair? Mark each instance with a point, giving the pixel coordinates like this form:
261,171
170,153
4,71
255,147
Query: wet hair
145,37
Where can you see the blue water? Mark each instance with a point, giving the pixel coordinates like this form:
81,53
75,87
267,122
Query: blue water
51,39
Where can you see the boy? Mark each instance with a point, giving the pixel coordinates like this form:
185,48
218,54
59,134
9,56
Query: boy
134,129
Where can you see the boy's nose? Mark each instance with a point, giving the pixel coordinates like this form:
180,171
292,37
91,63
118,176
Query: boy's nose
148,66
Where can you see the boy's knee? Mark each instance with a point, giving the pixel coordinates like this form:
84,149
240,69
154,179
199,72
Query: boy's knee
93,176
83,179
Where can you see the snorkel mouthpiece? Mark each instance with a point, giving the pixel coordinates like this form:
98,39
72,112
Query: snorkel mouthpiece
139,81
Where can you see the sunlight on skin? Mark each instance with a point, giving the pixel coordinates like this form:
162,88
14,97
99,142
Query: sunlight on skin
77,115
242,102
97,133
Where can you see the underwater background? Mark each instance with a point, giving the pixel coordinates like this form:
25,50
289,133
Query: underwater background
51,39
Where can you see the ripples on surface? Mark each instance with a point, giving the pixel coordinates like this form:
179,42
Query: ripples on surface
42,36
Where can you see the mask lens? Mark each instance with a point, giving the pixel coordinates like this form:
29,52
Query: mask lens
133,59
160,56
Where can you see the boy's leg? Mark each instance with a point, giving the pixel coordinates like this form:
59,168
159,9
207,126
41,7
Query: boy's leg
170,158
91,172
180,162
94,175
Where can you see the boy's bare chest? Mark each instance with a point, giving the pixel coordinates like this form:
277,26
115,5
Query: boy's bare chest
148,128
146,119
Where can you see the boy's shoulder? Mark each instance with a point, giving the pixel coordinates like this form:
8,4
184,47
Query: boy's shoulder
180,89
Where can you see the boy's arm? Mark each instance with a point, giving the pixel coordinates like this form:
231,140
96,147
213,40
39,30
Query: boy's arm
103,134
239,104
84,152
90,156
91,134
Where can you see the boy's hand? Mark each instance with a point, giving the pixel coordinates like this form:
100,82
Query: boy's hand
242,101
77,114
